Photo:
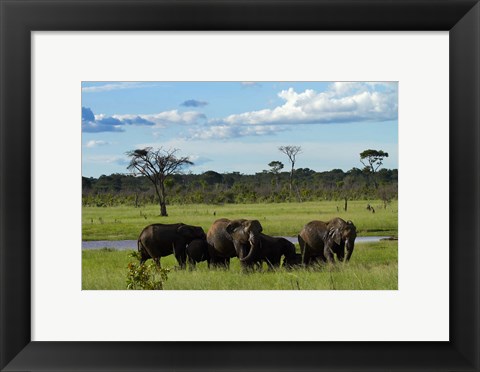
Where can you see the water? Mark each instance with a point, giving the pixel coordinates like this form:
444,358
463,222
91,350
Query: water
358,239
132,244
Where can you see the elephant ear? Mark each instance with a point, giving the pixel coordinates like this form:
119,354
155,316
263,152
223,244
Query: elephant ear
350,228
335,233
232,226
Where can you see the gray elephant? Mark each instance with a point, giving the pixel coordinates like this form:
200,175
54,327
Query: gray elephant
320,241
160,240
197,251
271,250
238,238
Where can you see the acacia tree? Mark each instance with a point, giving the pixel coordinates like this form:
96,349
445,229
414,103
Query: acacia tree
291,152
372,160
275,168
157,165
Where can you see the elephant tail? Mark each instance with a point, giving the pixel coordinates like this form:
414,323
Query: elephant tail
140,246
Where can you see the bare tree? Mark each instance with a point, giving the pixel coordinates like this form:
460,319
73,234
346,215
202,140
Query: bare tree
157,165
291,152
387,194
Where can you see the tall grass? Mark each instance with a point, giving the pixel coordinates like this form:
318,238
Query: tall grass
373,266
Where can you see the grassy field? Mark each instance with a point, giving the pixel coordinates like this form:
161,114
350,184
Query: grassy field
283,219
373,266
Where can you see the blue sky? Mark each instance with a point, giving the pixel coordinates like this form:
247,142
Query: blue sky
238,126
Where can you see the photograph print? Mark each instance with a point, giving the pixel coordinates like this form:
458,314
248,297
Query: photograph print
239,185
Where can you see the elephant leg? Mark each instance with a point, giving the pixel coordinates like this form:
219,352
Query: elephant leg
248,266
329,255
225,263
302,244
191,263
314,262
181,256
310,261
272,264
144,257
276,261
157,261
220,263
304,249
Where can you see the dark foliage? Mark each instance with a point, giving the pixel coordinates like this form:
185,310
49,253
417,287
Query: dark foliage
265,187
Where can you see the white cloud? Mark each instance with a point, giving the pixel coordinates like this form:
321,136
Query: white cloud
94,143
115,123
164,118
232,131
342,102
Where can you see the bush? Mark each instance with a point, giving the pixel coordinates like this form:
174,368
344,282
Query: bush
145,276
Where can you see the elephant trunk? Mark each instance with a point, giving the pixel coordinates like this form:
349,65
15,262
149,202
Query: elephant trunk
255,244
349,245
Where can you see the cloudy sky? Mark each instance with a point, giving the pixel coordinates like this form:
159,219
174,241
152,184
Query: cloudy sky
238,126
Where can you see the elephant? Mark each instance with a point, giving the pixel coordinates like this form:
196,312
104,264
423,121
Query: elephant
197,251
271,250
160,240
237,238
319,241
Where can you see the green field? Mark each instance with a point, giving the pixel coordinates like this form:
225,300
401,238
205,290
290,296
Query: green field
373,265
282,219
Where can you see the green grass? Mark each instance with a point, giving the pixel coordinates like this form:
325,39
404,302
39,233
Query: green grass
373,266
285,219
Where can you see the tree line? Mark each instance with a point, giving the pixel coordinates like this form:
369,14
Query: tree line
156,173
269,186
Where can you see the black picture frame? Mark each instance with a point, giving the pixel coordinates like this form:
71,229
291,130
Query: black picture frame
18,18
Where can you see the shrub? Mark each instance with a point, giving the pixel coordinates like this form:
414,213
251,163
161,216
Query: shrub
145,275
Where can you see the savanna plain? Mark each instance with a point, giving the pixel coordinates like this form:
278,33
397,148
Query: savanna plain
373,266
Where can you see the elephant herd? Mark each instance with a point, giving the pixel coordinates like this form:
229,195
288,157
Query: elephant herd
319,242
